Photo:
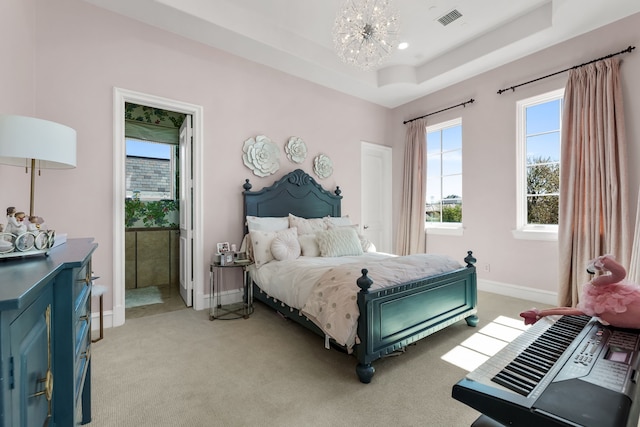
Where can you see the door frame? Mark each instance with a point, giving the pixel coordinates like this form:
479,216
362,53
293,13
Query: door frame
120,96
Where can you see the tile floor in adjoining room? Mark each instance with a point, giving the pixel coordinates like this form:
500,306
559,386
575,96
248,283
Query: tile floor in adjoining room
172,301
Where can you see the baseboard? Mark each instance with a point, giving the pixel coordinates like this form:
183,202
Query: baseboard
107,319
521,292
226,297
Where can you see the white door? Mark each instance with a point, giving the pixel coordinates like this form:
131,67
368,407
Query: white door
376,195
186,209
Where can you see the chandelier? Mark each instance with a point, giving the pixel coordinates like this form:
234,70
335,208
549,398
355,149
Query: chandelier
365,32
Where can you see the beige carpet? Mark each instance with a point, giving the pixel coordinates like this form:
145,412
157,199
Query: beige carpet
180,369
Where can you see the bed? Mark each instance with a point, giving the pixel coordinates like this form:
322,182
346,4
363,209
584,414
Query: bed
389,317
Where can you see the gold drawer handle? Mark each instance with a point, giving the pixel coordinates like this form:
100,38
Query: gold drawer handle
86,354
48,386
86,318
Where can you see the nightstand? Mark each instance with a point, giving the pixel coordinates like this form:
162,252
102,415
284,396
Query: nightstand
237,310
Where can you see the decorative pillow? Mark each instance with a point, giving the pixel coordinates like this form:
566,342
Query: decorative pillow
307,226
337,221
261,242
285,245
255,223
247,247
340,241
308,245
367,245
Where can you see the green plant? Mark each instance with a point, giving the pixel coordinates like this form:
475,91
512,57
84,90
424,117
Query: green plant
133,209
543,189
155,214
152,214
452,213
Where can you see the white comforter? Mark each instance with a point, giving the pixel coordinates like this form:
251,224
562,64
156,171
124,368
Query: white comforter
291,281
325,289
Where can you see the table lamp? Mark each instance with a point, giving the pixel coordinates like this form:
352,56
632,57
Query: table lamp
36,144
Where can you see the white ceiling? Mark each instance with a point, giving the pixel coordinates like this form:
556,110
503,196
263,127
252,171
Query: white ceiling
294,36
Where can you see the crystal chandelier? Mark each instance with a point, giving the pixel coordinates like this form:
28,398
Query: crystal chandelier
365,32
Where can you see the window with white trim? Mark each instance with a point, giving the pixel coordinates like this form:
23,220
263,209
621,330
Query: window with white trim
150,170
539,125
444,175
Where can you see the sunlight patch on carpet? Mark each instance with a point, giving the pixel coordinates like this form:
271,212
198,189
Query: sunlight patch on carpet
142,296
485,343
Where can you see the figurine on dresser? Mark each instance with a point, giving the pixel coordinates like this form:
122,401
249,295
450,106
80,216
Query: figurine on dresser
34,224
15,222
11,218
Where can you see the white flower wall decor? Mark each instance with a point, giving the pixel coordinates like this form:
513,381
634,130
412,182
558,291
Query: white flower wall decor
296,149
322,166
261,156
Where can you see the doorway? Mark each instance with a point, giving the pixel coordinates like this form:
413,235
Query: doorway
191,267
152,188
376,195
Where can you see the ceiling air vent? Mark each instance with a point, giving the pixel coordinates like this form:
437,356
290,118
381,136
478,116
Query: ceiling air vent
449,17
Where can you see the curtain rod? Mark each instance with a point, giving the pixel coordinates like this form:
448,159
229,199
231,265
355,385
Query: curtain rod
462,104
513,88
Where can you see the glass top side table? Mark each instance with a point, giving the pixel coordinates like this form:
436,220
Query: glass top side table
236,310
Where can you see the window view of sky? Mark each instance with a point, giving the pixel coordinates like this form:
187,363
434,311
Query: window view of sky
147,149
543,127
444,163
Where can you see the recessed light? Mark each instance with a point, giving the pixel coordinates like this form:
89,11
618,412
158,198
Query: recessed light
403,45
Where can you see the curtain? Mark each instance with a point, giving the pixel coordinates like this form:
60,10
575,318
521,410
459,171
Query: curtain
634,264
411,232
593,216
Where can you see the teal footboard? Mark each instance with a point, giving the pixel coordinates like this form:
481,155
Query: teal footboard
392,318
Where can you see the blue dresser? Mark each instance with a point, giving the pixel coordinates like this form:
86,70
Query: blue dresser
45,337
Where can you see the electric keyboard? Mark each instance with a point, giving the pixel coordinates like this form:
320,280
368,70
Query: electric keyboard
562,371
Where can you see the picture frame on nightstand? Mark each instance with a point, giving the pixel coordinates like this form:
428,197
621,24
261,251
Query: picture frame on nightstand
226,258
223,247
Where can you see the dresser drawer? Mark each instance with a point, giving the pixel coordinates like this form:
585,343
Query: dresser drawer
83,322
82,319
81,284
80,375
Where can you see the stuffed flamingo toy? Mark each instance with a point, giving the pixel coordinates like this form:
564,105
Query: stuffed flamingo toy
611,298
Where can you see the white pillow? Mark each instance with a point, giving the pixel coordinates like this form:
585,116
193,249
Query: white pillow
367,245
338,221
255,223
307,226
285,246
341,241
261,242
308,245
247,247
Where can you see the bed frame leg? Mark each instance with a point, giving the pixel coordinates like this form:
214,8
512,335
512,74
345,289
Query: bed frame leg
365,372
472,320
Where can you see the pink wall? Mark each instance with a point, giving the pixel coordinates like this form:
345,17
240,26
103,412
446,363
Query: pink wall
17,47
82,52
17,53
489,131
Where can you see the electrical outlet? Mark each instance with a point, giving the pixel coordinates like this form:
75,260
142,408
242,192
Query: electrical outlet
487,267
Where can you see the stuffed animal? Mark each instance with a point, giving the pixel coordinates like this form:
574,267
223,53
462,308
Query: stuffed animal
611,298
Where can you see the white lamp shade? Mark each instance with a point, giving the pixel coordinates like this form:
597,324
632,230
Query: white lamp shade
24,138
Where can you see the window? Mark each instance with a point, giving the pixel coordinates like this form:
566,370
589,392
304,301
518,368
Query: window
150,170
444,175
539,125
